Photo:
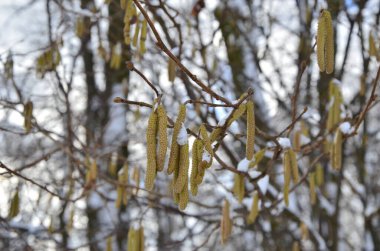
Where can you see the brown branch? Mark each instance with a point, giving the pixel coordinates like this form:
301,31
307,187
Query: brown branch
165,49
131,67
130,102
43,187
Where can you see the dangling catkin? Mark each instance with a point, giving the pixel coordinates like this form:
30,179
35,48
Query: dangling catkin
162,137
151,151
325,42
28,114
250,145
337,150
313,195
194,168
294,165
254,208
184,196
319,174
144,28
183,168
206,139
239,187
287,174
225,223
174,151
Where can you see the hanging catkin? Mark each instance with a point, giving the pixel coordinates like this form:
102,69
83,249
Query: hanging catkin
239,187
250,130
287,173
294,165
174,151
325,42
162,137
336,152
254,208
28,115
151,151
183,169
194,168
225,222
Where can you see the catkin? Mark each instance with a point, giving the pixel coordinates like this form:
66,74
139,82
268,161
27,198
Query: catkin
294,165
239,187
136,34
122,196
287,174
225,223
194,168
28,114
254,208
319,174
237,113
183,168
14,208
325,42
151,151
313,195
127,22
257,158
171,70
144,28
337,150
184,196
109,244
174,151
206,139
250,145
335,98
162,137
141,239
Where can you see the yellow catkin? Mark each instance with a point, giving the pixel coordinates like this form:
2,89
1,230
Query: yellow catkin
174,150
237,113
116,56
329,45
162,137
294,165
250,145
206,139
123,3
313,195
14,208
296,246
257,158
372,45
28,110
141,239
239,187
127,22
151,151
79,27
200,167
171,70
319,174
225,222
325,42
144,28
297,140
194,168
131,244
337,150
335,98
109,244
112,168
184,196
136,34
136,179
215,134
122,195
321,40
304,231
183,168
287,174
28,115
254,208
